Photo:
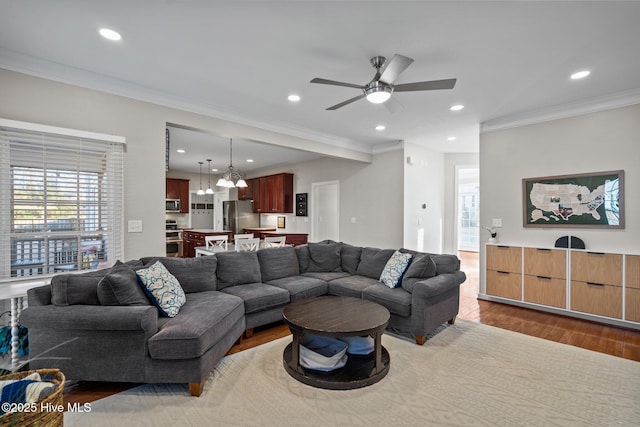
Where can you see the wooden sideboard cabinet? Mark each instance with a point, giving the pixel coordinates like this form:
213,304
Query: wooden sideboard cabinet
633,288
504,271
545,276
596,283
598,286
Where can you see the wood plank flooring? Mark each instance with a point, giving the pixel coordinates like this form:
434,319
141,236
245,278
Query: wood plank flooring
611,340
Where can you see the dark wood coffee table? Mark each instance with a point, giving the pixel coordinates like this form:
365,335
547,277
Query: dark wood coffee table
334,316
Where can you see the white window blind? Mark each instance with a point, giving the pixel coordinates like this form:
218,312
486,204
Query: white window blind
61,203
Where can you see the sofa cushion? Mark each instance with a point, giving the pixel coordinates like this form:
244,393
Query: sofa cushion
324,257
396,300
301,287
120,287
72,289
259,296
394,269
194,274
302,251
351,286
237,268
326,276
372,262
162,288
350,258
276,263
203,320
445,263
422,267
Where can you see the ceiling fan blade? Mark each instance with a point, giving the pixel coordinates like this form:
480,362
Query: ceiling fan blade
347,102
430,85
392,69
334,83
393,105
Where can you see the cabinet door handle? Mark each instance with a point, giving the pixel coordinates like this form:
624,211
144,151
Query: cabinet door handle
502,272
544,277
544,249
595,284
503,246
595,253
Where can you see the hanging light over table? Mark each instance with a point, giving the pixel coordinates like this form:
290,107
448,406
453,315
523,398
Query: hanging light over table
232,177
209,189
200,191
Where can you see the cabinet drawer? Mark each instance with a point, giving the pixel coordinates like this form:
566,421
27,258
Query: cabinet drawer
545,290
504,284
596,267
604,300
633,271
504,258
545,262
632,312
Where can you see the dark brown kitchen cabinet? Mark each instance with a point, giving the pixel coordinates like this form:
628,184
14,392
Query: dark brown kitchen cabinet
246,193
178,189
273,194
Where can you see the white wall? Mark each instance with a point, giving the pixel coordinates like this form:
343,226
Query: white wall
423,185
595,142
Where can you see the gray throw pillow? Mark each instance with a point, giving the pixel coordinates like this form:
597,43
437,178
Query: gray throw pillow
194,274
422,267
372,262
350,257
324,257
120,287
73,289
302,251
276,263
237,268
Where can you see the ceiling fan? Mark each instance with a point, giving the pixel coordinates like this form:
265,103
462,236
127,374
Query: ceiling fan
380,88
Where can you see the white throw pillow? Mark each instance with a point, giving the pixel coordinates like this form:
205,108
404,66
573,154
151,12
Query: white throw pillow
395,268
162,288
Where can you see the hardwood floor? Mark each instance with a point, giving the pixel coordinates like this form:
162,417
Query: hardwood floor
611,340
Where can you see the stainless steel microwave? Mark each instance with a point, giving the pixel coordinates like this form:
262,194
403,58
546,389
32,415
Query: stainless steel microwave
172,205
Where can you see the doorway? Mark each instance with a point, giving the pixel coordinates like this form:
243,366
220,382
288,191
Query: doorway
468,208
325,211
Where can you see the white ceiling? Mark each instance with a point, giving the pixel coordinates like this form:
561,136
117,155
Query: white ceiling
239,60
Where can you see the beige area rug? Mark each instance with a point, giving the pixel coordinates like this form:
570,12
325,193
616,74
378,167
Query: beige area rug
466,375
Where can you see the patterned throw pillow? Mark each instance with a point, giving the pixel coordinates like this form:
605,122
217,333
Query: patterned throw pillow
395,268
162,289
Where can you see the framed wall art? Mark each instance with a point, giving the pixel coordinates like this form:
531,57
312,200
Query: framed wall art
588,200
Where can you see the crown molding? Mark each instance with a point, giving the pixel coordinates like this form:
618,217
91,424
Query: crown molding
592,105
385,147
25,64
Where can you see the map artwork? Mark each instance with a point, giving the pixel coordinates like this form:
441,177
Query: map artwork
574,200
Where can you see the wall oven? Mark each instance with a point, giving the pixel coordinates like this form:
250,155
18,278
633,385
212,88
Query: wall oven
173,239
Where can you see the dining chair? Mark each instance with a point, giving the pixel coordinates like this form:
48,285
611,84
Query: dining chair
217,242
242,236
247,244
274,242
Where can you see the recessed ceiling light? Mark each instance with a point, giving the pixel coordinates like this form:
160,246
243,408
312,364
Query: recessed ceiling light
457,107
294,98
110,34
381,127
249,160
451,138
214,170
580,75
180,150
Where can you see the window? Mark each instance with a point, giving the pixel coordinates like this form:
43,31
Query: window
63,209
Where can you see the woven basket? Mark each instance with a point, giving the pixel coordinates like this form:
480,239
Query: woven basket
38,418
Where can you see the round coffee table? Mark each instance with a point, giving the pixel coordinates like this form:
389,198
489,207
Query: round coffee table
334,316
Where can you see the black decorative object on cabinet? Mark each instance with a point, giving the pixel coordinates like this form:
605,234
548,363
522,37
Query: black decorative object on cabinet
301,204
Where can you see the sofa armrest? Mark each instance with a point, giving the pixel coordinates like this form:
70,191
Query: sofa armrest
439,284
92,317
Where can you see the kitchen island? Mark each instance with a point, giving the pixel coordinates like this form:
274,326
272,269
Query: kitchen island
192,238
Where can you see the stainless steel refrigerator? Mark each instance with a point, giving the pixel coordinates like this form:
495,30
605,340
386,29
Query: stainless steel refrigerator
238,215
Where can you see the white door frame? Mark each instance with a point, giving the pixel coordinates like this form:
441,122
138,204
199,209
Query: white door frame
314,206
456,225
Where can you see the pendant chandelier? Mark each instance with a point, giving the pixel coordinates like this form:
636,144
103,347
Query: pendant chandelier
232,177
200,191
209,189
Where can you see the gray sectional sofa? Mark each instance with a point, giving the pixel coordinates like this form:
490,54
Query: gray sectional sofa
96,326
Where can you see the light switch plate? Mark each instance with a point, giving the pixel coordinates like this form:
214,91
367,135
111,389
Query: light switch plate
134,226
497,222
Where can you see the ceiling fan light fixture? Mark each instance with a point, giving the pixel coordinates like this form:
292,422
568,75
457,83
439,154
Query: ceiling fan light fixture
378,94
